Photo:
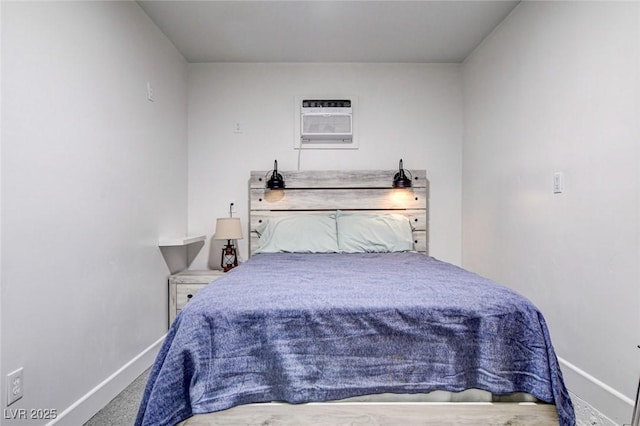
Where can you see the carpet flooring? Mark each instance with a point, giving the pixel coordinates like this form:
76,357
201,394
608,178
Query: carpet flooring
122,409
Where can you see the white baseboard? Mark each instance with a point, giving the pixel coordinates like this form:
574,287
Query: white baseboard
595,402
87,406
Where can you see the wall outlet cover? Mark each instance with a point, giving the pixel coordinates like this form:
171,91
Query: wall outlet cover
14,386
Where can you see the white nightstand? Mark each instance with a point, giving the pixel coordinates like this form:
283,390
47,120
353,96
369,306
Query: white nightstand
184,285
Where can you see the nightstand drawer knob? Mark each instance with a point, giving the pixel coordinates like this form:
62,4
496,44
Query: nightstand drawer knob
189,296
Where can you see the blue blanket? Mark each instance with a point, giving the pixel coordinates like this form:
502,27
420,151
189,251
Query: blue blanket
318,327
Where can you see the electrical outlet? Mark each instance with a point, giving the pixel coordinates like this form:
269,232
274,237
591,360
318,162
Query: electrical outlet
233,208
14,386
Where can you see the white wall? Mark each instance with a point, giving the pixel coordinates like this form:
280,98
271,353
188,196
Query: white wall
411,111
556,88
1,127
92,175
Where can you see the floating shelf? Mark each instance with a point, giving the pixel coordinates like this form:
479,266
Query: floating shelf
181,241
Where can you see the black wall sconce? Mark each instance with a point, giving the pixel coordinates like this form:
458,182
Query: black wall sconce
276,181
400,179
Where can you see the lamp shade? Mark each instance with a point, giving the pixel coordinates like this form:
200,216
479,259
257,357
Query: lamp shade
228,228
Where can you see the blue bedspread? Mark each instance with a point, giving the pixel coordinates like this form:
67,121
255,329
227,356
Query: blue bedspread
318,327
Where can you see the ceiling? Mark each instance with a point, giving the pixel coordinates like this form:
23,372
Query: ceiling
326,30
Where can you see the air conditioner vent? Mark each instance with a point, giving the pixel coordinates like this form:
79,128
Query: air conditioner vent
325,122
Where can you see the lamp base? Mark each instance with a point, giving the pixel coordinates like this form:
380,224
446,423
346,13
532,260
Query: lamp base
229,259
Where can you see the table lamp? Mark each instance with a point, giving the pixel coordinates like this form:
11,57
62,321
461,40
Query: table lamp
228,228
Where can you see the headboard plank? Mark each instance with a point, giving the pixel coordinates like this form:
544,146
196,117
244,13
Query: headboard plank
316,191
416,217
339,198
338,178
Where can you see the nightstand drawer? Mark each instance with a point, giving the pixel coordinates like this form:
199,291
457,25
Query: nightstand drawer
184,285
184,293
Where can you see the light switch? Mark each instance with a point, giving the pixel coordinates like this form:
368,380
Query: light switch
558,183
150,97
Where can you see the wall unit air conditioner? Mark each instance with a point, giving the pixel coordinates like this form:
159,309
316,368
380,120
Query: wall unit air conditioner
325,122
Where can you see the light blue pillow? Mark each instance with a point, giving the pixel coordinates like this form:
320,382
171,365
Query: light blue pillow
371,232
302,233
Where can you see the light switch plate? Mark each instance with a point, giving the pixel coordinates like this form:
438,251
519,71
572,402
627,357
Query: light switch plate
558,183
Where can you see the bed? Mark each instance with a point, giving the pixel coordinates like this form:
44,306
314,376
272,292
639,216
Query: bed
340,301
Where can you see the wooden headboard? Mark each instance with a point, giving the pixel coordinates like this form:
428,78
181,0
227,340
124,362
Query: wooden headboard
353,190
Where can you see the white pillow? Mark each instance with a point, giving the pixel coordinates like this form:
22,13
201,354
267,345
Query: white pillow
302,233
371,232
